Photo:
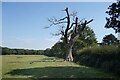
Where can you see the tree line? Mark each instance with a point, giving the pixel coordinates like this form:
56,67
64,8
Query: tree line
58,49
9,51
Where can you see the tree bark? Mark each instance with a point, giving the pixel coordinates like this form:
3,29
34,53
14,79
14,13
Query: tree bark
69,56
69,46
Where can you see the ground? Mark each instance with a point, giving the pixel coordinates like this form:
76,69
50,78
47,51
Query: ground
40,66
0,66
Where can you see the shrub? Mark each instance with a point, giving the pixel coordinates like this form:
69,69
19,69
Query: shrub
104,57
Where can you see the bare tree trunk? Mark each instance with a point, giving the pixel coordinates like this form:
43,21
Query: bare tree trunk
69,46
69,56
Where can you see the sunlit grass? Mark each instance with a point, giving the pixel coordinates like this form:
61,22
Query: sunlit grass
38,66
0,66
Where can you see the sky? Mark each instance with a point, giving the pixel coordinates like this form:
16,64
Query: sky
23,22
0,23
58,0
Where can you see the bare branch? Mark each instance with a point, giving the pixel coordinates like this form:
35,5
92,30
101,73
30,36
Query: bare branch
73,14
76,25
62,19
56,23
67,12
46,27
55,19
50,20
67,27
62,32
55,34
81,20
84,25
71,25
89,21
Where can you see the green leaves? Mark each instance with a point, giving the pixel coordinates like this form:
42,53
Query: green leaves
114,13
110,40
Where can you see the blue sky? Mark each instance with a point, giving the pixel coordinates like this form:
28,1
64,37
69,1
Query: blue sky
0,23
23,22
58,0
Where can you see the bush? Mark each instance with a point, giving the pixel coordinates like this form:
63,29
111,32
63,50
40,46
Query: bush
107,65
104,57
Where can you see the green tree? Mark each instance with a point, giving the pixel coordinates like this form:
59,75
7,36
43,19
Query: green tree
110,40
86,39
46,52
58,50
5,51
114,20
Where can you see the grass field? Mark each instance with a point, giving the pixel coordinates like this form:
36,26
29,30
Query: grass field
0,66
39,66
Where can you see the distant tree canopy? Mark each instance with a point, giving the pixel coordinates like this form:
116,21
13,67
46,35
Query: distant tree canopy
114,20
110,40
9,51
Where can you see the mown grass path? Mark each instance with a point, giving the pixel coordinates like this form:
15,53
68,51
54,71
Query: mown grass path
39,66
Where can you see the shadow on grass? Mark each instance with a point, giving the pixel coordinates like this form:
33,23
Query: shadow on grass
36,61
58,72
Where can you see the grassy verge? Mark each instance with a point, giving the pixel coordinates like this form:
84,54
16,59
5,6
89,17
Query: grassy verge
39,66
0,66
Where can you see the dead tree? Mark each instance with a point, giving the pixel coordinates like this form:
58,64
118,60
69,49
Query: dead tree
71,32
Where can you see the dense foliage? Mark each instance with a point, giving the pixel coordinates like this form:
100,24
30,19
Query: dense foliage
9,51
86,39
104,57
57,50
114,20
110,40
